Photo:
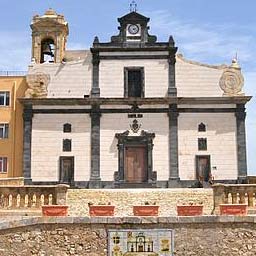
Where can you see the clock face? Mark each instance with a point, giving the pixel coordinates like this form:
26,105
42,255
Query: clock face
133,29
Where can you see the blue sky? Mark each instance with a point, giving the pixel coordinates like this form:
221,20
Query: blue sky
206,31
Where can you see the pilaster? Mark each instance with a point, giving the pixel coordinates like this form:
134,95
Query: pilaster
173,145
172,90
27,132
95,180
95,92
241,142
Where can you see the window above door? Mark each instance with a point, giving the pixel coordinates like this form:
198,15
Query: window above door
134,82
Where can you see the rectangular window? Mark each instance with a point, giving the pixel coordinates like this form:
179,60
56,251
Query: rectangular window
202,144
4,131
3,164
134,82
67,145
4,98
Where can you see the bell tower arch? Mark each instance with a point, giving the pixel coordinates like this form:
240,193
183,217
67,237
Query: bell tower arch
49,37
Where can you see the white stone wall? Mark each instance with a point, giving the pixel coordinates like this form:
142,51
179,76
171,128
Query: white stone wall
111,77
117,123
47,136
221,144
67,80
195,80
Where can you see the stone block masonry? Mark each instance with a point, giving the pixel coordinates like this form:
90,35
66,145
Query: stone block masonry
124,199
62,236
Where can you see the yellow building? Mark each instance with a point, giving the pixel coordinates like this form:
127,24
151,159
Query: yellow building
11,125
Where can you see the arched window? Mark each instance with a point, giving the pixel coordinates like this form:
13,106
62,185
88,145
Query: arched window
202,127
67,145
47,50
67,127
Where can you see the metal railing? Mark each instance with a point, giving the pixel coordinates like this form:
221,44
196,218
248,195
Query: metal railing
13,73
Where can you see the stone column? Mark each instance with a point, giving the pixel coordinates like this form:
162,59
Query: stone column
95,180
173,146
27,132
172,90
95,92
241,142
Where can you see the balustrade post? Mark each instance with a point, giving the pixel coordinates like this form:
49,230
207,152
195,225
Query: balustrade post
250,198
46,199
6,200
38,200
22,199
234,197
30,200
242,198
218,197
61,194
226,193
14,200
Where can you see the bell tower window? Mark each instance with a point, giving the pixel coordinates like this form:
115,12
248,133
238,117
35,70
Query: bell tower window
49,37
47,51
134,82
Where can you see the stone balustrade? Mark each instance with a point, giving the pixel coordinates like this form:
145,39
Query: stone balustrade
24,197
233,194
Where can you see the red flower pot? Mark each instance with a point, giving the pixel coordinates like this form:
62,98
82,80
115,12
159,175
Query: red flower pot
101,210
54,210
233,209
145,210
189,210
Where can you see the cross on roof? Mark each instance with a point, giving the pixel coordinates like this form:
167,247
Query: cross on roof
133,6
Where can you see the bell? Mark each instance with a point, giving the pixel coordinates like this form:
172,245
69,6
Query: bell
47,49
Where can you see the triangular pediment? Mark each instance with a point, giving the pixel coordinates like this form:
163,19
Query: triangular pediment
133,17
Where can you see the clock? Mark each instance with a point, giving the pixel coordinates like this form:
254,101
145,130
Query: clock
133,29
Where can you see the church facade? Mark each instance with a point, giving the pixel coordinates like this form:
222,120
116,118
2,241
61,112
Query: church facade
130,112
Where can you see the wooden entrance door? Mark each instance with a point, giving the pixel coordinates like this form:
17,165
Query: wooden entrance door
135,164
67,170
203,168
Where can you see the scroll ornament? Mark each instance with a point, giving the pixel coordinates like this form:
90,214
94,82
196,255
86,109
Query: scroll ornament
37,85
232,82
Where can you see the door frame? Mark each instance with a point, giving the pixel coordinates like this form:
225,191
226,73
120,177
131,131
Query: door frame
72,158
196,164
124,140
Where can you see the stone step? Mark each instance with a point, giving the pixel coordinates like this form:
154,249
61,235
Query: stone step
206,185
135,185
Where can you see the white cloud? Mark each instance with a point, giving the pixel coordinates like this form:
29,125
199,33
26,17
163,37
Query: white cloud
204,42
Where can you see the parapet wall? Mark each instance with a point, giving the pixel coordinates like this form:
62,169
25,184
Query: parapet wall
124,199
202,236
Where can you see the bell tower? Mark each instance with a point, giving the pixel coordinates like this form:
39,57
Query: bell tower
49,37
